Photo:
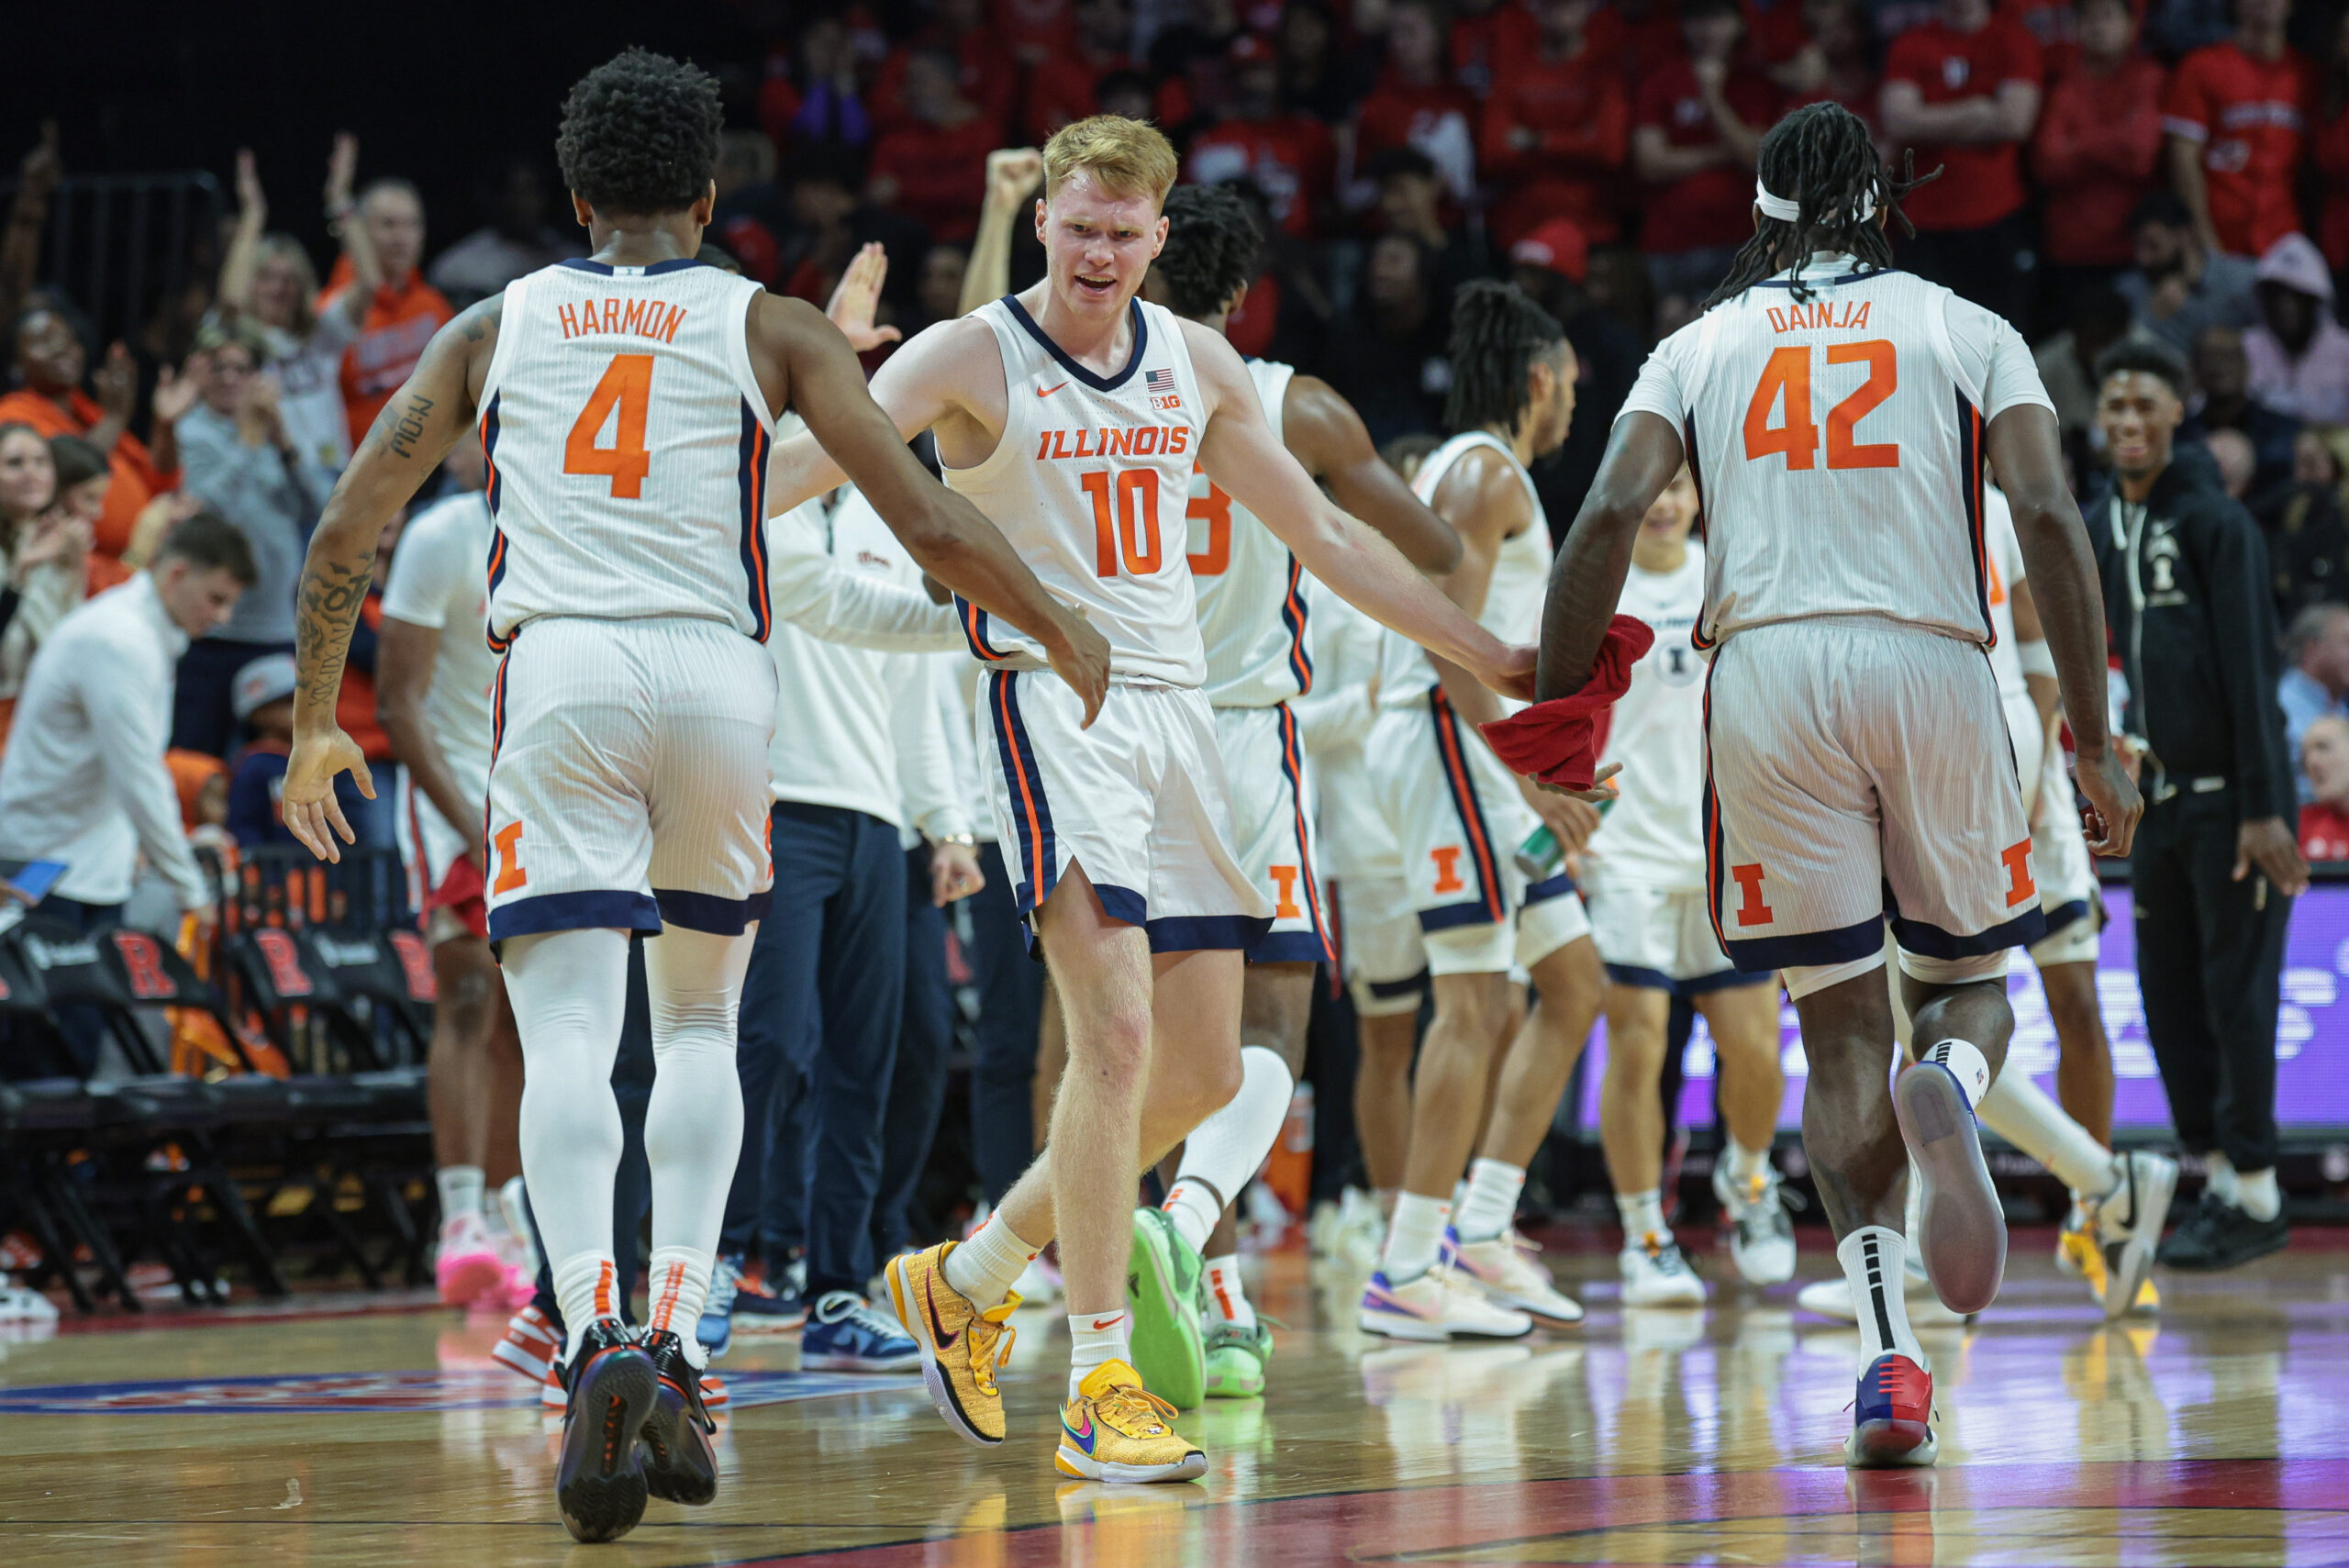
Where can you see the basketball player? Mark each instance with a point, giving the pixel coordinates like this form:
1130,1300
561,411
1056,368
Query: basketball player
433,672
624,405
1458,816
1644,876
1252,604
1073,413
1837,414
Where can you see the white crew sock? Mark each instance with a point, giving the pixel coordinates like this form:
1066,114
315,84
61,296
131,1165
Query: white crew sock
1414,1237
1225,1290
1745,1164
680,1277
2027,1117
1229,1146
2256,1194
1967,1064
1642,1215
1494,1187
461,1190
1094,1340
568,990
693,1122
984,1269
2218,1174
585,1288
1873,1258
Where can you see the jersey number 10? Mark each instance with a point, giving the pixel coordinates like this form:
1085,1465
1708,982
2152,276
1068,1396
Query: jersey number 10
627,384
1786,379
1132,535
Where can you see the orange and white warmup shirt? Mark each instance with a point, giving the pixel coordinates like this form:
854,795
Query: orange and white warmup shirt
1855,735
627,439
1090,482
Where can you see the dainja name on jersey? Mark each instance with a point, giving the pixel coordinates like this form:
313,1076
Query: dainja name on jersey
1144,441
1835,316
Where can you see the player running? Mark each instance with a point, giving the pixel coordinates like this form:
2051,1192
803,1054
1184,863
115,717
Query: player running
1837,415
1457,815
626,405
1252,604
1073,413
1643,873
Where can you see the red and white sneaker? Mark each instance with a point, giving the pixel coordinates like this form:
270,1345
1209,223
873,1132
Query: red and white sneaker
1892,1417
530,1345
466,1266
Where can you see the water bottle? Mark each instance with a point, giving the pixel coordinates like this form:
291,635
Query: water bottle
1540,856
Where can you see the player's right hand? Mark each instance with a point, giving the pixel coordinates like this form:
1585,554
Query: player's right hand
312,813
2114,805
1082,659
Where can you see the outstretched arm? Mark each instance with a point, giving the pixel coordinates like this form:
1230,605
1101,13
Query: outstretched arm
2025,448
1241,456
1329,440
946,535
1643,454
423,420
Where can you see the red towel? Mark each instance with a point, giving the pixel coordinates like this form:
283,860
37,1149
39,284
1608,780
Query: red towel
1557,741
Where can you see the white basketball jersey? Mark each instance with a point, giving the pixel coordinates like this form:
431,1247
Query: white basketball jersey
1653,835
1091,484
436,581
1513,600
2003,559
1250,591
1837,442
627,447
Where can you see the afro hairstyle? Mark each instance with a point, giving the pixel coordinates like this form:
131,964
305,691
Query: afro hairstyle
639,134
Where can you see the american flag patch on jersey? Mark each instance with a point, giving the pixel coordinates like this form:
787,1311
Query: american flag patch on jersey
1158,381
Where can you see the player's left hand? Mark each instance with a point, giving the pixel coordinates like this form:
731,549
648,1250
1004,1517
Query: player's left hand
2113,804
1512,673
1571,817
858,298
312,813
953,873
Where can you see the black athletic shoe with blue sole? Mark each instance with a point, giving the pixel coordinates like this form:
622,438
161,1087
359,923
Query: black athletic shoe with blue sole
599,1485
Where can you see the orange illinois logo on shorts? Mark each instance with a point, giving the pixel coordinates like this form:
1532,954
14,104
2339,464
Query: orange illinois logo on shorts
2016,858
1284,904
1447,869
1751,910
510,875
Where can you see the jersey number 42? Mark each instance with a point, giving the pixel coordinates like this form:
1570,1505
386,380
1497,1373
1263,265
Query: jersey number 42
1785,381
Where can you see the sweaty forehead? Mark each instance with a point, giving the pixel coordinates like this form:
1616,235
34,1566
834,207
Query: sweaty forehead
1081,198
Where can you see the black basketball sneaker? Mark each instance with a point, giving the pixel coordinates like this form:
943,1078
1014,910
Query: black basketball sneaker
679,1464
600,1483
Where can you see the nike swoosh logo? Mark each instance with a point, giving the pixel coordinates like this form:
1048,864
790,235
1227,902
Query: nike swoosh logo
1048,391
1110,1322
938,1333
1084,1438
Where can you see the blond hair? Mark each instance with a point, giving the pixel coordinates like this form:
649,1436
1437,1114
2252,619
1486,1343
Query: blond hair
1124,157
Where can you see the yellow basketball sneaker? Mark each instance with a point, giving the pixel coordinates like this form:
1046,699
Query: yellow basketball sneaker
1115,1429
961,1346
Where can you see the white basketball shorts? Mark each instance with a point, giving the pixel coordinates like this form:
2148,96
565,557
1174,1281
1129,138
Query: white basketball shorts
1659,938
2068,890
1385,961
1270,780
628,778
1856,769
1458,819
1140,799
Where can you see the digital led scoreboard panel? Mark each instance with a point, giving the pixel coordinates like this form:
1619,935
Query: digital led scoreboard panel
2311,1036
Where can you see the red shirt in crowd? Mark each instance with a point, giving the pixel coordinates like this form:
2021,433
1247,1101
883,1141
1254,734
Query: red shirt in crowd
2249,117
1774,30
2098,142
986,76
1397,114
1981,182
1483,45
941,173
2325,832
2332,158
1290,158
1034,29
136,480
1579,121
1713,206
1640,44
1065,89
400,322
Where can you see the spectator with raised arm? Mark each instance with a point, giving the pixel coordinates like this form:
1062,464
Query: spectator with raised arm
2236,116
403,311
1962,92
268,282
36,179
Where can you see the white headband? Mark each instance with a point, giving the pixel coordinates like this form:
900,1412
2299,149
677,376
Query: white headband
1787,211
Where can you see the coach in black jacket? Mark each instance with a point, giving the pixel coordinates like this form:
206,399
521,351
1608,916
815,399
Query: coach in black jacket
2216,866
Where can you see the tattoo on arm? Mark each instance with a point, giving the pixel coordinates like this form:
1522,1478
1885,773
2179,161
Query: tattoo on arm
401,426
332,594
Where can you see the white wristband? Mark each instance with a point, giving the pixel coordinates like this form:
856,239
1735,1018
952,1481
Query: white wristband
2036,657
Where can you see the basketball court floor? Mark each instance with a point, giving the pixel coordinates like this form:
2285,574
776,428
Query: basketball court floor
374,1430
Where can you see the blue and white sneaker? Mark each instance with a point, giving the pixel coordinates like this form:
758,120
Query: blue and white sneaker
1434,1307
844,1334
716,1328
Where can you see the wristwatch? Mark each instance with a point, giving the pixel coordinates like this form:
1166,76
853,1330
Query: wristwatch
965,841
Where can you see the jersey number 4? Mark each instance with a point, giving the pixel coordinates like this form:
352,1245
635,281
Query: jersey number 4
1785,380
626,386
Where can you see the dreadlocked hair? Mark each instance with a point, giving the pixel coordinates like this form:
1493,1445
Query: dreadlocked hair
1821,157
1497,334
1211,248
